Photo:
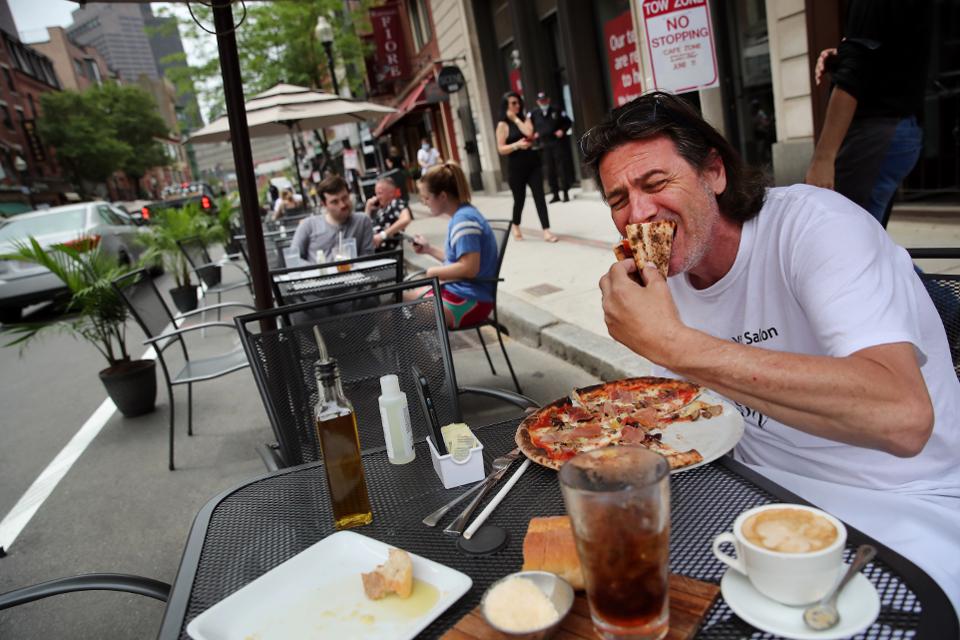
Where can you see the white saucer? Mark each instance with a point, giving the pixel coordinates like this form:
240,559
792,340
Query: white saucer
859,605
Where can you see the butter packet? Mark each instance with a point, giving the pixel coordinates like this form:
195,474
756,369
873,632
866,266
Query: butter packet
459,440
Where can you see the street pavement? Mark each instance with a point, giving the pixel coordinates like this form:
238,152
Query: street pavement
118,509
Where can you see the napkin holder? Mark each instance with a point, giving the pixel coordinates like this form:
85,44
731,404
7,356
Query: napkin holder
454,473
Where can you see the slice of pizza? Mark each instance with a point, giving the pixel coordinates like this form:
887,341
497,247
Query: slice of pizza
648,242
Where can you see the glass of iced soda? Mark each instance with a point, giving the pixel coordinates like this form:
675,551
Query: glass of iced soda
618,499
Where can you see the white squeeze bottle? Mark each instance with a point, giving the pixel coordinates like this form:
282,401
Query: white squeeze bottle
395,417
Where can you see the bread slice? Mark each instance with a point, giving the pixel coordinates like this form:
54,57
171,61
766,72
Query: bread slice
652,242
549,546
393,576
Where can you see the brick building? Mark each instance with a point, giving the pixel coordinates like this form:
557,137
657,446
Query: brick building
402,73
78,67
30,174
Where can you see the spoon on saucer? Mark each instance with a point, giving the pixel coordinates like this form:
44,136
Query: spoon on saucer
824,614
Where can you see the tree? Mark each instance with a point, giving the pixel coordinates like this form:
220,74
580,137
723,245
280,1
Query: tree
85,142
102,130
133,115
276,43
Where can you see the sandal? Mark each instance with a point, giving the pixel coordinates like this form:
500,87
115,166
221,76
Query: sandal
551,238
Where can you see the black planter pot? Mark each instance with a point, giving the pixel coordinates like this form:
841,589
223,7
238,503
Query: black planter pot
132,386
210,274
185,298
233,248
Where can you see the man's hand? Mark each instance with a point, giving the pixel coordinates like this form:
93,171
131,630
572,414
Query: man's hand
372,205
821,67
558,133
820,173
642,318
377,240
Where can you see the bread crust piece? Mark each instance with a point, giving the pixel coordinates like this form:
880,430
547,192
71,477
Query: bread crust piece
652,242
550,546
393,576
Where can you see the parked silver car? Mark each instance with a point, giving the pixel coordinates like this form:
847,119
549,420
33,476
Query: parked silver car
87,224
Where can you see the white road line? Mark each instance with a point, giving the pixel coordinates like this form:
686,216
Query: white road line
28,504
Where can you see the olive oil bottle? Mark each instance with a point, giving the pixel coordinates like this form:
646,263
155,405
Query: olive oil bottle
339,442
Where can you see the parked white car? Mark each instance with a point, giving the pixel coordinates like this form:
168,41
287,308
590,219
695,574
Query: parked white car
87,224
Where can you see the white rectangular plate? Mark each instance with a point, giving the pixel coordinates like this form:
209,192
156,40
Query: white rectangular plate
319,594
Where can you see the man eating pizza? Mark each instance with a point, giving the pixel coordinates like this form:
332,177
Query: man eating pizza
795,304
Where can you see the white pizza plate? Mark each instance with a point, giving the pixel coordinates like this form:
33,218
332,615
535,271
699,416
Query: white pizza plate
712,437
319,594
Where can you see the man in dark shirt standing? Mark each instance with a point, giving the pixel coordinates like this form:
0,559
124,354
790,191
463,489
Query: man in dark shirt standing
871,139
550,126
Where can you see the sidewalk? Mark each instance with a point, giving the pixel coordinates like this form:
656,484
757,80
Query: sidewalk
550,297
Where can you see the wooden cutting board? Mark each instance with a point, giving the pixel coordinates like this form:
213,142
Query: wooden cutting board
689,601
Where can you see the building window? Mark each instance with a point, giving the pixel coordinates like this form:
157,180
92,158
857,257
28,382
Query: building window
419,23
8,77
7,120
78,67
93,71
21,116
33,107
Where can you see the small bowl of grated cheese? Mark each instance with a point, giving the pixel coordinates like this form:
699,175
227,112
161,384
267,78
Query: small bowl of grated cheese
527,604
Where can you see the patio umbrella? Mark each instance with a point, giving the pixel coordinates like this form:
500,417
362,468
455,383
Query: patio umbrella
284,107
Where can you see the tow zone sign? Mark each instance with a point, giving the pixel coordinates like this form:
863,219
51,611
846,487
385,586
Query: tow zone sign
680,48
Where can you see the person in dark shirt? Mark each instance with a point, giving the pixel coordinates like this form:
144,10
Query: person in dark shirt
871,138
390,214
550,126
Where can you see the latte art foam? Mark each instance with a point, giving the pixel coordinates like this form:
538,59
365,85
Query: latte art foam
789,531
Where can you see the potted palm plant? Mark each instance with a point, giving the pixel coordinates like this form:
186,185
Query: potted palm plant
160,246
95,313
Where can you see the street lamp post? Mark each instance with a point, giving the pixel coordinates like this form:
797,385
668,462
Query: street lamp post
324,33
23,169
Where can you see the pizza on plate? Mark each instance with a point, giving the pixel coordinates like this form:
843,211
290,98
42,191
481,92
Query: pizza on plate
648,242
634,411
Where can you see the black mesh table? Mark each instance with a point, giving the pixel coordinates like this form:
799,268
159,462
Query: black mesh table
243,533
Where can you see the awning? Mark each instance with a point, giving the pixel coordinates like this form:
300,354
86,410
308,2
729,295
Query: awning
415,100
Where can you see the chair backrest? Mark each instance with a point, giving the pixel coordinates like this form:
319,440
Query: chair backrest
196,252
944,290
144,301
312,282
367,343
501,231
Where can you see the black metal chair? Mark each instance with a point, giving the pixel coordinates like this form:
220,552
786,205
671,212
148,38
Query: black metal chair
944,290
88,582
209,272
309,282
160,326
367,343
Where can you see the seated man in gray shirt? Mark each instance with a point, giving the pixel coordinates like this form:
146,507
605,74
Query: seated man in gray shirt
322,232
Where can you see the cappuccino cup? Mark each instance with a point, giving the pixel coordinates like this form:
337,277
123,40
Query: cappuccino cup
791,553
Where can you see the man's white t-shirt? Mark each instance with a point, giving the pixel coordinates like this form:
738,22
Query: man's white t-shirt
427,158
816,274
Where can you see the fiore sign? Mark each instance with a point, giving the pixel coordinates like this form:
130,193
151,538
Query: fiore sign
390,59
623,59
680,44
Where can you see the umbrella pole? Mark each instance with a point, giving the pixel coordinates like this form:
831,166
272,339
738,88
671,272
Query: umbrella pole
296,162
242,156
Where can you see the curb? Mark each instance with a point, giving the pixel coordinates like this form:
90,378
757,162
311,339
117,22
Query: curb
540,329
